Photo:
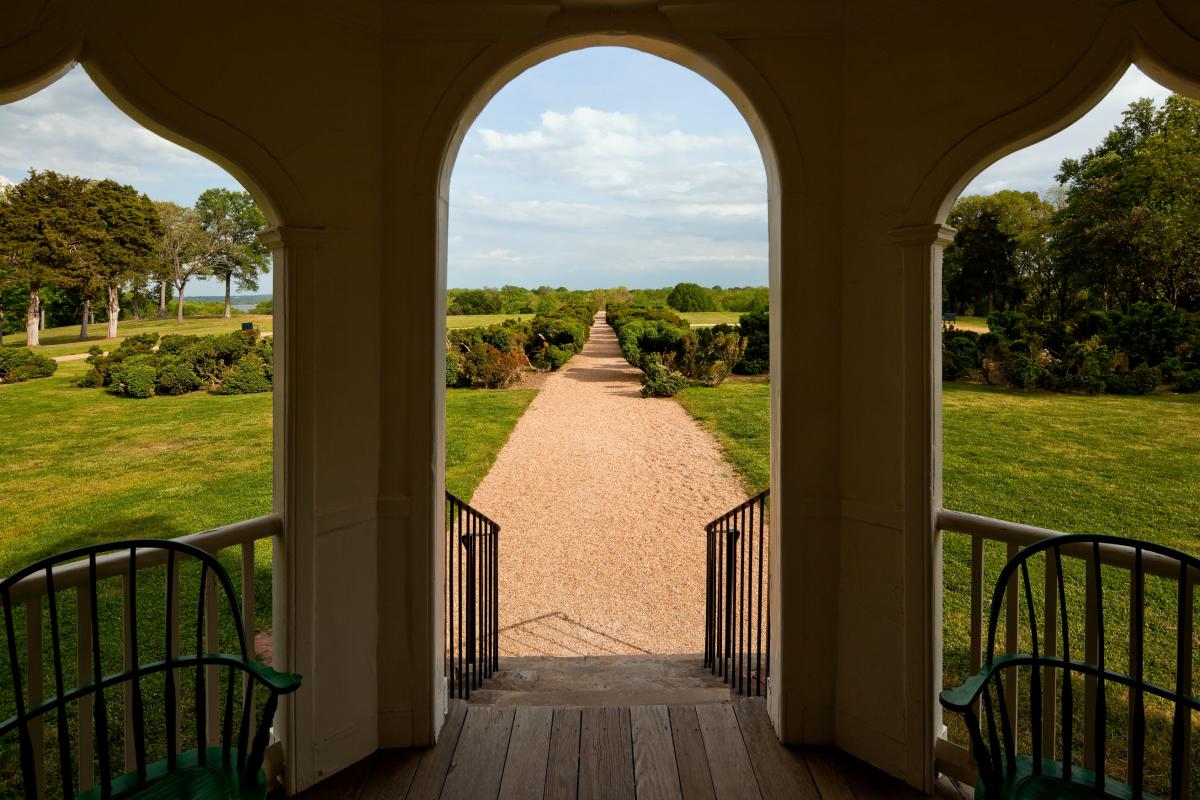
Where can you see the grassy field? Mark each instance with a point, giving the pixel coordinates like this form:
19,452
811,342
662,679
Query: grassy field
1128,466
712,317
477,425
738,413
66,341
972,324
480,320
79,466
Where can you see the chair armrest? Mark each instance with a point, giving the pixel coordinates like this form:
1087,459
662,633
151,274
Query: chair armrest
278,682
961,698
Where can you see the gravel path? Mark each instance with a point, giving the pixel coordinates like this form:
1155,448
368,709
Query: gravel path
602,497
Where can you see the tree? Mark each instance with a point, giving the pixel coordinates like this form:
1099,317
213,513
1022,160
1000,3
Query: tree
979,266
233,221
45,229
691,297
1025,219
476,301
182,249
1129,227
127,232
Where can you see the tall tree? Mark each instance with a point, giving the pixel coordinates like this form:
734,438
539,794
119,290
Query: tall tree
1026,219
233,222
183,248
1129,228
45,228
979,268
129,231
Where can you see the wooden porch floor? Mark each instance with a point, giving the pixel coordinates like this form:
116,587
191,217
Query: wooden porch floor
715,750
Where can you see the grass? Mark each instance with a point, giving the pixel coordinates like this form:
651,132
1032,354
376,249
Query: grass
65,341
738,414
80,466
972,323
480,320
478,423
712,317
1128,466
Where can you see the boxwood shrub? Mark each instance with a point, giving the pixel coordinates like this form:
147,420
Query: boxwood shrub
19,364
144,365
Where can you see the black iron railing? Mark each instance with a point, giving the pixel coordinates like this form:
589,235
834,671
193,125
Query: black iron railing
737,614
472,597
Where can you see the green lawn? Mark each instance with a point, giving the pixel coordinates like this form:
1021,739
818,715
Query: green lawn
478,422
79,466
738,413
66,341
480,320
972,323
712,317
1128,466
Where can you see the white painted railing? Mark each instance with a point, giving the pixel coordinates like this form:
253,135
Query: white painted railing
77,575
954,759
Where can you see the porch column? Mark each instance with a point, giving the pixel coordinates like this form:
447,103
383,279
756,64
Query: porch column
295,254
921,278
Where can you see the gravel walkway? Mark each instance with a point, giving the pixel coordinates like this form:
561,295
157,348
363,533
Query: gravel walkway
602,497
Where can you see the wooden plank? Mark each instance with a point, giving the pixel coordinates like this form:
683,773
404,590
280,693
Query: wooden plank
478,763
655,772
345,785
435,761
562,764
392,774
528,754
695,783
869,783
781,772
827,774
728,761
605,754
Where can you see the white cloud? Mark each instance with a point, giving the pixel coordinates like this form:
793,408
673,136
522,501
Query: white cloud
719,259
4,181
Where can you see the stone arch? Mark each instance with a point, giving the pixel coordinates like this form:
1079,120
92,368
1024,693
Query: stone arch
707,55
53,46
1138,34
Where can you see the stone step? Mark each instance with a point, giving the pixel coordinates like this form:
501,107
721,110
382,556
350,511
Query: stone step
588,698
611,680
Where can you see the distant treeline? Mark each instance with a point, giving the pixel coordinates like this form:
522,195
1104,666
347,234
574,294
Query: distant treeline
543,299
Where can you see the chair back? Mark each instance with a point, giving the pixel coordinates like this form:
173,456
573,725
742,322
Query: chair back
1085,670
122,654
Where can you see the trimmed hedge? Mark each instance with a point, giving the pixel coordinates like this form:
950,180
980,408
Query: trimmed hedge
493,357
1128,353
144,365
670,352
19,364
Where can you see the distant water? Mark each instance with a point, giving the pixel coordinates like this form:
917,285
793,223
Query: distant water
243,306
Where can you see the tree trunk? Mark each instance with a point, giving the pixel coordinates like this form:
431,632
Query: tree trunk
179,309
137,305
41,317
228,280
114,310
85,318
162,299
33,316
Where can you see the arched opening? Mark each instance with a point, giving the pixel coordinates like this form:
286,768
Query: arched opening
136,406
596,596
1066,350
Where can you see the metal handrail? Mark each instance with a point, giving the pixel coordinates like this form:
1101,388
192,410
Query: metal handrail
736,583
472,597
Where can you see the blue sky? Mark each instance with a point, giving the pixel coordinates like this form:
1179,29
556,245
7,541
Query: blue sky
600,167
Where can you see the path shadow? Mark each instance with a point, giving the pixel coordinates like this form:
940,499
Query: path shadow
556,634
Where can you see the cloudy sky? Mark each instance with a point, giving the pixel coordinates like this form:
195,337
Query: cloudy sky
601,167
